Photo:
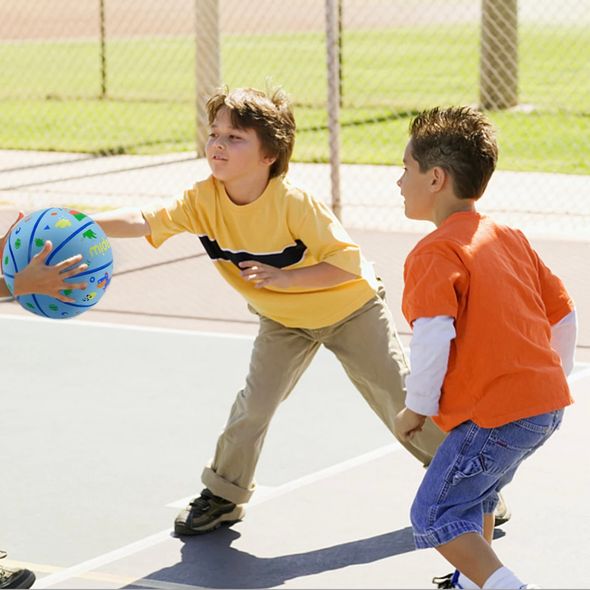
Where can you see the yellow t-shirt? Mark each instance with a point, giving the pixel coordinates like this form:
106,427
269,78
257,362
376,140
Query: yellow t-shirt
284,227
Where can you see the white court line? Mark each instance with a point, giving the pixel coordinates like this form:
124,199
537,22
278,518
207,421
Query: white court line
129,327
268,494
265,493
137,546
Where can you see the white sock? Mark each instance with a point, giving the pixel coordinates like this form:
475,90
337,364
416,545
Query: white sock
465,582
503,579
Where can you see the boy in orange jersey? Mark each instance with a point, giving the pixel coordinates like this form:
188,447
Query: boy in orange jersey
493,339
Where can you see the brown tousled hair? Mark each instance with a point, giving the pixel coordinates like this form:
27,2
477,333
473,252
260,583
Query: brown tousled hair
462,141
269,114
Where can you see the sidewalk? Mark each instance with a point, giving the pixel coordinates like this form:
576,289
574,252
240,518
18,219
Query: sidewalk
543,205
146,289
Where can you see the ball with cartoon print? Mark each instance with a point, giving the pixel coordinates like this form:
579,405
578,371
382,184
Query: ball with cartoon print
71,232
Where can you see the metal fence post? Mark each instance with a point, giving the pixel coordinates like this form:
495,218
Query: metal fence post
207,64
103,57
333,102
499,54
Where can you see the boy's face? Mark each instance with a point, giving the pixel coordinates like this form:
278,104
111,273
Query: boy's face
415,187
234,154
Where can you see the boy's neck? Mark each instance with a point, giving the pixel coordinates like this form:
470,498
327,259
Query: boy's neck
244,191
449,205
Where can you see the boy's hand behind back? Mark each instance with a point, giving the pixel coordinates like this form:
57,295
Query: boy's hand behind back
39,278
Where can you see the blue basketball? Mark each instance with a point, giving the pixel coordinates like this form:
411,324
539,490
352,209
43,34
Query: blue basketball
71,233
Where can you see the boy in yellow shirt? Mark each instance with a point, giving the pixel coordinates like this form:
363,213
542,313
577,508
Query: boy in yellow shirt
297,269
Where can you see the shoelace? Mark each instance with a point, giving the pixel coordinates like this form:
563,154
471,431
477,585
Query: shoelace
201,504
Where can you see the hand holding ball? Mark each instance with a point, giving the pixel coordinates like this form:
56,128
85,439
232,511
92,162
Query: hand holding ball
71,233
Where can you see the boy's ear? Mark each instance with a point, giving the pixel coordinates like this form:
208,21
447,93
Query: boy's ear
269,160
438,178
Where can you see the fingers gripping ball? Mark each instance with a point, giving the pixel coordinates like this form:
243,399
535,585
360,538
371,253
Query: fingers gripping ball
71,233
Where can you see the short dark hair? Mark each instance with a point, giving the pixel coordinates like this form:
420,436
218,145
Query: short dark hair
269,114
460,140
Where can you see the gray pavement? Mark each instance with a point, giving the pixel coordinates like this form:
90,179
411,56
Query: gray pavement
107,435
109,417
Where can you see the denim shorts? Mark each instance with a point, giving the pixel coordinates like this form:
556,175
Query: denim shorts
469,469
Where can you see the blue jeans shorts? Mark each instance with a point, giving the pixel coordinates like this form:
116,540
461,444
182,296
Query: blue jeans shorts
469,469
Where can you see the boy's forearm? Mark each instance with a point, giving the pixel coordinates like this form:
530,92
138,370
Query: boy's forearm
319,276
123,223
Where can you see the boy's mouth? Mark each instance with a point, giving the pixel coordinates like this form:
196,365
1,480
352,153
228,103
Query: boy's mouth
218,157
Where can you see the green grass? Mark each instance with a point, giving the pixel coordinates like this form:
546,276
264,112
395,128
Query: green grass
50,93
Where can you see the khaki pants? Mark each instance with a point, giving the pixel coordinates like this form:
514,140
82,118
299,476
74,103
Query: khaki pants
370,351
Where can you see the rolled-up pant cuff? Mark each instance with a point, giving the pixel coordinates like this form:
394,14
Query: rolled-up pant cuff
225,489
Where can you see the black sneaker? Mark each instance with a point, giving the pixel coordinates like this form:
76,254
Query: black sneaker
502,514
15,578
448,581
206,513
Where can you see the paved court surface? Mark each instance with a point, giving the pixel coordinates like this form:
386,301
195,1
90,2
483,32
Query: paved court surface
108,419
107,428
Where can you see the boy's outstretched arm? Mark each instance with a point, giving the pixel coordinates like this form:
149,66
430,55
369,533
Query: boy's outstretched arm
316,276
127,222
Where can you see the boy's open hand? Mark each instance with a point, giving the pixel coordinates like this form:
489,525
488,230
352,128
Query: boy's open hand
264,275
407,423
39,278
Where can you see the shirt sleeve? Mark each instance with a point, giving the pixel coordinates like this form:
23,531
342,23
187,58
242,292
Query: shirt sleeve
327,240
176,217
429,358
557,301
563,340
555,297
434,285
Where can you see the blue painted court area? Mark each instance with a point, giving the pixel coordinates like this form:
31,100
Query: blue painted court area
105,429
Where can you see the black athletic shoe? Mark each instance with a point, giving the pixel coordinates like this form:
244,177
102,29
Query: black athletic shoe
206,513
15,578
448,581
502,514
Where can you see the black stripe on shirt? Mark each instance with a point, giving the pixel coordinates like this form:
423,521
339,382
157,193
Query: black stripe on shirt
290,255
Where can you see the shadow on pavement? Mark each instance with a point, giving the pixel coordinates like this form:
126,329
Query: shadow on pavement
211,562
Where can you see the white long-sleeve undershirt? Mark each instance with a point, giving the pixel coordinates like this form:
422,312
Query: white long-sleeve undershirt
429,357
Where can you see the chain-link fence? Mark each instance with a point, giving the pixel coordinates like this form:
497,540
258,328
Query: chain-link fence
128,76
